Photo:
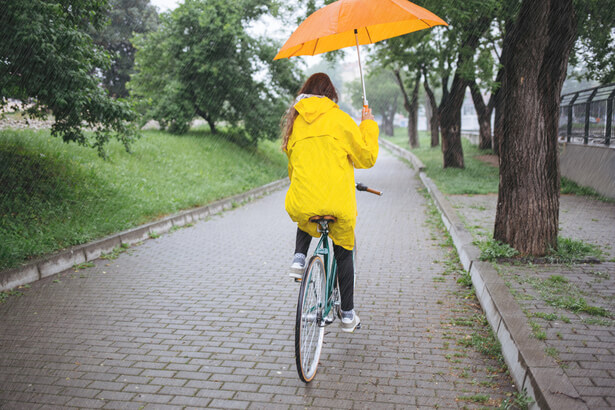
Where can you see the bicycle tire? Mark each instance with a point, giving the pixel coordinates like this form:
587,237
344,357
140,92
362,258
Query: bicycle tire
309,333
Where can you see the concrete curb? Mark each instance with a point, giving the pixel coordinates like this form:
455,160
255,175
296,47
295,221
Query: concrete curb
418,165
531,369
55,263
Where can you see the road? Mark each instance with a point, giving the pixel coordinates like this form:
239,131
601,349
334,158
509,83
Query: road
203,317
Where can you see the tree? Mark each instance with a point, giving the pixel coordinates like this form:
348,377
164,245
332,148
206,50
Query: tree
483,112
383,96
126,17
406,57
46,56
432,109
538,46
202,61
470,20
446,54
411,104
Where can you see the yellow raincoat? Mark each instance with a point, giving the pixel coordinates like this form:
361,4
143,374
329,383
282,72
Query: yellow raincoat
324,148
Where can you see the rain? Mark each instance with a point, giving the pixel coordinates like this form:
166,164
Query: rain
144,242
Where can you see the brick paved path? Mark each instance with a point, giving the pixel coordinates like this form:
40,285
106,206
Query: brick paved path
551,295
203,317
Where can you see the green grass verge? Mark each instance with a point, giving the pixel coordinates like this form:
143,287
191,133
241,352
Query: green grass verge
54,195
572,188
478,177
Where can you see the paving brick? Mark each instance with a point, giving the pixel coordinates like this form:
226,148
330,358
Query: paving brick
229,404
152,398
107,386
86,403
191,402
215,394
115,396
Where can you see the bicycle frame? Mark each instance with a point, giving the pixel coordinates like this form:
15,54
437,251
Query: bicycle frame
324,250
317,300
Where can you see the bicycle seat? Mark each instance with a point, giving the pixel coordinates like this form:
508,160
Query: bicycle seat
319,218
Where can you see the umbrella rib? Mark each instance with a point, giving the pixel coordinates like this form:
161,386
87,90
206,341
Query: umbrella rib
426,23
368,36
315,45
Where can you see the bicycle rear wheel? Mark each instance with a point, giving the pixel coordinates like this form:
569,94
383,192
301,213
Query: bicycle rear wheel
309,333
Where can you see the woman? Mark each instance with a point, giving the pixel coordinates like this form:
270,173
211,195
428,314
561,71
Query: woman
324,145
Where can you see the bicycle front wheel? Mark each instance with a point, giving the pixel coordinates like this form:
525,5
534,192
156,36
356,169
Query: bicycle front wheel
309,333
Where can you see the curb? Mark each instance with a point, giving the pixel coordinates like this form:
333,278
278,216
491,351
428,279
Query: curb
57,262
417,163
531,369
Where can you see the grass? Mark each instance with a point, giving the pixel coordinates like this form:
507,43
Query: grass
571,250
557,291
55,195
570,187
568,251
492,250
477,177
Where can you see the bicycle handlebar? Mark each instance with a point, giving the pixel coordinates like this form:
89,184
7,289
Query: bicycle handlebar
361,187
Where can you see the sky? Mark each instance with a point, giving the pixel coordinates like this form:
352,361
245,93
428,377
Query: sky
165,5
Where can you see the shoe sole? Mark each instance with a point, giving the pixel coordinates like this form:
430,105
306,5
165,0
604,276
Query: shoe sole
351,329
296,273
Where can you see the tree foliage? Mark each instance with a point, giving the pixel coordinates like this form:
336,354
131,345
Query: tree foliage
595,46
47,58
446,56
125,18
384,96
202,61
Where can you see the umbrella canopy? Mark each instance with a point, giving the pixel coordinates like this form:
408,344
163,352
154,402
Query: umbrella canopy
333,27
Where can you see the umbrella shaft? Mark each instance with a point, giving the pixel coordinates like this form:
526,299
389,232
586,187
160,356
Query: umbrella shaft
356,35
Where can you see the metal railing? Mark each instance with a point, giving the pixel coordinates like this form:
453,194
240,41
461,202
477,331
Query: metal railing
587,116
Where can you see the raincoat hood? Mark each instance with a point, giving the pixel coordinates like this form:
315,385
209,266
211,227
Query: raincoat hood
311,107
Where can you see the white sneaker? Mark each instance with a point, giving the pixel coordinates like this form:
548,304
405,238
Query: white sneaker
297,267
350,321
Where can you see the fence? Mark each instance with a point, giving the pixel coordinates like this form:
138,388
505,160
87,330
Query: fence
587,116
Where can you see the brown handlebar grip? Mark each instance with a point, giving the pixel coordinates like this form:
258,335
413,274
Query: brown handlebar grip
373,191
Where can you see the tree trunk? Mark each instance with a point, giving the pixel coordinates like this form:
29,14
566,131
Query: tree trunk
210,122
535,68
498,129
388,118
498,97
484,117
413,133
434,120
450,106
450,124
412,120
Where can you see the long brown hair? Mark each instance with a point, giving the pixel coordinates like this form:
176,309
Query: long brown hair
317,84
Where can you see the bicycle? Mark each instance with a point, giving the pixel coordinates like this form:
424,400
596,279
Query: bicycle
319,299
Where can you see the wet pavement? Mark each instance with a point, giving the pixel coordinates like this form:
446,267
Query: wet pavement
203,317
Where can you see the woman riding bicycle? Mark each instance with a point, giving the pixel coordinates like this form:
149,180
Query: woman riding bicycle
324,145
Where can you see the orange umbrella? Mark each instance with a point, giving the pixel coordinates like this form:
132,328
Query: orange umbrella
346,23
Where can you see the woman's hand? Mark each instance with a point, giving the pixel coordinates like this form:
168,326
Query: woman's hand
366,114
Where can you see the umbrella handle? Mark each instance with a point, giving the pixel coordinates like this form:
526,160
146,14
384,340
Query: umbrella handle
356,36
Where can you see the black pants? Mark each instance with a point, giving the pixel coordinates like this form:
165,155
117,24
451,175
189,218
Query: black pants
345,267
